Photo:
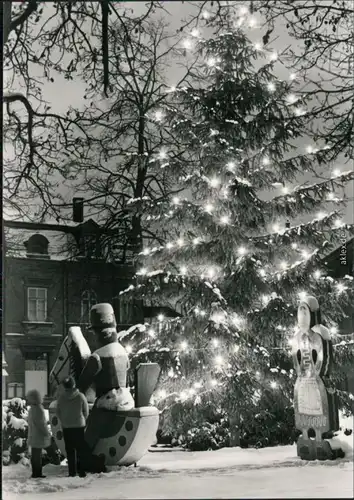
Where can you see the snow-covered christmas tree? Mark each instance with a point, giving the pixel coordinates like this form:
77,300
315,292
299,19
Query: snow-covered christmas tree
249,244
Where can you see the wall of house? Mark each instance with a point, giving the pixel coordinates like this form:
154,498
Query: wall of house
65,282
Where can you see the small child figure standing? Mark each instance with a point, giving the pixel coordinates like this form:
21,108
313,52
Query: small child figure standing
38,433
72,411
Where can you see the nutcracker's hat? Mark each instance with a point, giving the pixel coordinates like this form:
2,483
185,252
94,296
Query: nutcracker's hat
103,321
315,313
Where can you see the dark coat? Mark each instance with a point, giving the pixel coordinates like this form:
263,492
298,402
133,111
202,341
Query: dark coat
72,409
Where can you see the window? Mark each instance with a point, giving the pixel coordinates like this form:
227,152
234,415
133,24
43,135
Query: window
37,304
90,246
88,299
15,390
37,245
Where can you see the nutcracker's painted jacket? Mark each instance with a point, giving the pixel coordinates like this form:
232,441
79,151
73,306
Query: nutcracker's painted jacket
106,369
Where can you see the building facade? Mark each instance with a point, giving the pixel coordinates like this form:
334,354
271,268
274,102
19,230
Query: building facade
53,275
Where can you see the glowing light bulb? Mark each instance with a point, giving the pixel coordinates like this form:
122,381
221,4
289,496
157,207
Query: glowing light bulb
129,349
262,272
225,219
159,115
271,87
266,161
160,317
196,241
202,313
336,172
184,345
306,255
265,299
273,384
309,149
146,251
211,272
333,330
176,200
215,342
211,62
162,154
169,245
241,251
231,166
273,56
187,44
258,46
243,10
180,242
183,270
151,333
338,223
206,14
215,182
195,32
299,111
285,190
294,246
317,274
209,207
292,76
291,98
340,288
218,360
252,22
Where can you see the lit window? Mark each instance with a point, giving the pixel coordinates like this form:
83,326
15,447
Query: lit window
37,304
88,299
15,390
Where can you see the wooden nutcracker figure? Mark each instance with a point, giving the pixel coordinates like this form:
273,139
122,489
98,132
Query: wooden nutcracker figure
316,407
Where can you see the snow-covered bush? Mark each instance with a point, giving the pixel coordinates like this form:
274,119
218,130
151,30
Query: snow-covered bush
208,437
14,430
270,428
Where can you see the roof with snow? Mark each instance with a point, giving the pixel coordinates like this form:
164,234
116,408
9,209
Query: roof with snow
59,242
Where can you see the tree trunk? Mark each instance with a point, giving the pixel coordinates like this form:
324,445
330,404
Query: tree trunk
6,15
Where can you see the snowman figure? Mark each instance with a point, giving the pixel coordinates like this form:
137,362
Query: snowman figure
316,408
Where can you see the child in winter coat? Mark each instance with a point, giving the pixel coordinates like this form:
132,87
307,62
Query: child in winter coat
72,411
38,433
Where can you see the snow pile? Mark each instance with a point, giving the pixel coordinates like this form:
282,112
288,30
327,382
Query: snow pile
344,439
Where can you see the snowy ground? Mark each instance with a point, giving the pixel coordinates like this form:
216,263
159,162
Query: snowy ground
227,473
